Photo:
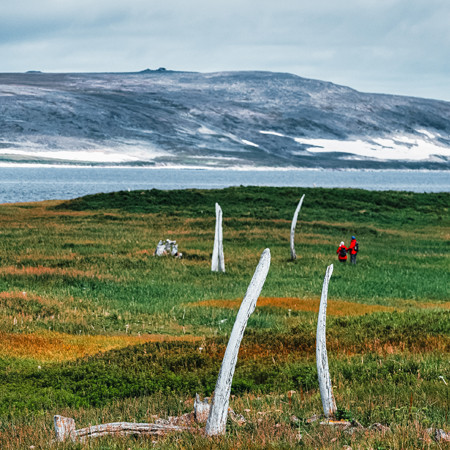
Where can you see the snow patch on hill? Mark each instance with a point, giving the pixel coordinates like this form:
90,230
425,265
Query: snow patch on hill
395,148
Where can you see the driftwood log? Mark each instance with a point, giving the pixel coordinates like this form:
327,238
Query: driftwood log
323,372
217,419
293,225
218,261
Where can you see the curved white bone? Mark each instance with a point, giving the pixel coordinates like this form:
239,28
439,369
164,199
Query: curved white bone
323,372
218,261
217,418
293,225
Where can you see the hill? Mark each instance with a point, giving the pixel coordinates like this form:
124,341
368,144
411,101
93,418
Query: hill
223,119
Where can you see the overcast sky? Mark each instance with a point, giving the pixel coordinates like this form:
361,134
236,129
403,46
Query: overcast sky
388,46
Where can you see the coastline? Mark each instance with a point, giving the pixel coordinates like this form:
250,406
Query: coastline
240,168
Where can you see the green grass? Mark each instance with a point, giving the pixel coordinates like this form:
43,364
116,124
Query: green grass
76,271
355,205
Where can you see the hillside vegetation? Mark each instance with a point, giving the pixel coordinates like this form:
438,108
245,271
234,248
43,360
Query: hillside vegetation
94,327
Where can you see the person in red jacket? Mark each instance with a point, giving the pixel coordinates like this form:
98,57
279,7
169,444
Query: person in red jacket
342,252
353,249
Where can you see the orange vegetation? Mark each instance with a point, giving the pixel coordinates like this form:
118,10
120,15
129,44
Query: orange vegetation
291,348
36,210
141,252
16,294
53,271
59,258
52,346
445,305
24,304
334,308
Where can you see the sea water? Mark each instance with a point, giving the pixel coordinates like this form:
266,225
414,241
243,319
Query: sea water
35,183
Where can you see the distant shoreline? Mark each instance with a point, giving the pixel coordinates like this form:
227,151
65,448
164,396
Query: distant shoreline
5,164
29,183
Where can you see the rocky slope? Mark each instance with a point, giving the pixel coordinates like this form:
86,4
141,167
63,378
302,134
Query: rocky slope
226,119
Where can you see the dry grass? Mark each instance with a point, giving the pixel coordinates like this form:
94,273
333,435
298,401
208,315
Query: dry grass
14,214
444,305
42,271
334,308
279,352
52,346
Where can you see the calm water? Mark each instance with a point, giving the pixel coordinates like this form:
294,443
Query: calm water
24,184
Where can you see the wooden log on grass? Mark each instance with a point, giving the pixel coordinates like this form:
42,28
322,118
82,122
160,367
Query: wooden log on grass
293,225
217,418
218,261
323,372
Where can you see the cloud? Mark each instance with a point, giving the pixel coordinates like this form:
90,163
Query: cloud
393,45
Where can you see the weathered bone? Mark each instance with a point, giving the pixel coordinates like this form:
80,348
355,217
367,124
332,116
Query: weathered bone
126,428
217,419
201,409
64,428
218,261
323,372
174,251
293,225
216,422
160,249
168,246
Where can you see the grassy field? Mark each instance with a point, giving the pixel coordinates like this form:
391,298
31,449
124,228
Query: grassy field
93,327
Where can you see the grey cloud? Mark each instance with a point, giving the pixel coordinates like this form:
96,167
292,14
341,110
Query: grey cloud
359,43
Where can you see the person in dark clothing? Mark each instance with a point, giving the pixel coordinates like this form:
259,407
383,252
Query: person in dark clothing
342,252
353,249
